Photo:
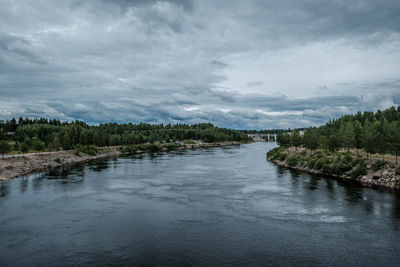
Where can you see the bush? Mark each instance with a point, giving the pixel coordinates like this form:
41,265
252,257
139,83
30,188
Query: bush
275,153
172,146
359,171
378,165
320,163
58,160
146,148
292,160
9,167
128,149
348,158
356,161
311,163
89,150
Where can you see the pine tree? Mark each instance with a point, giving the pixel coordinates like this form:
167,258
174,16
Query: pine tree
4,147
66,141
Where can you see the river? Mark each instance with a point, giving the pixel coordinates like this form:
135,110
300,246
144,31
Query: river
217,206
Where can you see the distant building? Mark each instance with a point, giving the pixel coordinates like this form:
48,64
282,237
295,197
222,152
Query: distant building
10,133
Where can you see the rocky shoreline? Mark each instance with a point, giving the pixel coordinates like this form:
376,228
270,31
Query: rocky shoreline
385,177
13,167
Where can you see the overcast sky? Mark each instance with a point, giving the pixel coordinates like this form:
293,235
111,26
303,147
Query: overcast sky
239,64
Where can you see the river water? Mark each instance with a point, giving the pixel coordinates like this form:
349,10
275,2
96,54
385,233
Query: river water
218,206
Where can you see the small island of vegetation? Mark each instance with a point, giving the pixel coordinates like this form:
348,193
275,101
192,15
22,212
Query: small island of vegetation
363,147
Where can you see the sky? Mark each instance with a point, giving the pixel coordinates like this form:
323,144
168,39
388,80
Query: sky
254,64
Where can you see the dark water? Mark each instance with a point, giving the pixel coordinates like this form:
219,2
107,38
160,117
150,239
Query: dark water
219,206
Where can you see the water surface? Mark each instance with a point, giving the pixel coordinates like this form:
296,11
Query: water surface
218,206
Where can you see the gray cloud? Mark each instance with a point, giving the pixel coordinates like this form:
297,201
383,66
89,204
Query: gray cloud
240,64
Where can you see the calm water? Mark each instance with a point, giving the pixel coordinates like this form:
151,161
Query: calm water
218,206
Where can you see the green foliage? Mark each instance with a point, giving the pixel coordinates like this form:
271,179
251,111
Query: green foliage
292,160
57,159
53,134
37,144
147,148
89,150
321,162
377,132
296,139
311,163
172,146
4,147
398,170
2,135
23,147
333,142
359,171
9,167
278,153
283,140
377,165
311,139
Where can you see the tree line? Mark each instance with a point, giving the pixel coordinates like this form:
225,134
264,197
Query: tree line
375,132
51,134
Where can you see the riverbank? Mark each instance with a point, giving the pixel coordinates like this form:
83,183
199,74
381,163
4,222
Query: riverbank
12,167
338,165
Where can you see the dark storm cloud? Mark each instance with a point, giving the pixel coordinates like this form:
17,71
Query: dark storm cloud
241,64
126,4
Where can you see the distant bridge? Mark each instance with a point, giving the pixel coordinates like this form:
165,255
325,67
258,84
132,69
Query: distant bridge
263,137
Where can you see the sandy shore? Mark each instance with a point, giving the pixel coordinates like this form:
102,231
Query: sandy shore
12,167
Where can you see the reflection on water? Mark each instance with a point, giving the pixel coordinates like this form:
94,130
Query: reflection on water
217,206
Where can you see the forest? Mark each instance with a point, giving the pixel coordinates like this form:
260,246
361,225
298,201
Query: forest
374,132
26,134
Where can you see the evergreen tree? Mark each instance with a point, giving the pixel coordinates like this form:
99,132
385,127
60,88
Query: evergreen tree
296,139
4,147
283,140
393,138
333,142
66,141
310,139
348,136
23,147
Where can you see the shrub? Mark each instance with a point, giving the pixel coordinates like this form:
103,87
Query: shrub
356,161
327,168
9,167
348,158
275,153
359,171
89,150
128,149
281,156
292,160
320,163
58,160
311,163
398,170
171,146
378,165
